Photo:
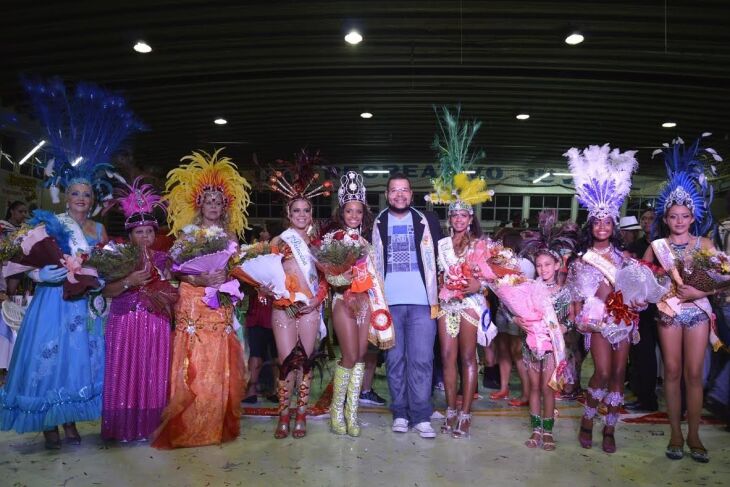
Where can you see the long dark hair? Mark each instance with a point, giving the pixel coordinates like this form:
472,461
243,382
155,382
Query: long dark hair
12,206
585,239
368,219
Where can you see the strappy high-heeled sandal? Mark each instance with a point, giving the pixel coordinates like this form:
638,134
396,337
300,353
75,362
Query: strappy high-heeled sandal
451,417
300,423
282,428
459,431
53,439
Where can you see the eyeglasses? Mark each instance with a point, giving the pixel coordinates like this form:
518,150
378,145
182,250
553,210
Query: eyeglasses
399,190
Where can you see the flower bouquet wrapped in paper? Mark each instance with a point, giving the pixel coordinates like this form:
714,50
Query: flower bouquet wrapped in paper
639,284
203,250
705,270
337,255
530,300
455,280
491,260
44,241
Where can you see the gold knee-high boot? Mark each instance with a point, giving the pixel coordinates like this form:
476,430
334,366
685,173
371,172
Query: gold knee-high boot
353,399
339,393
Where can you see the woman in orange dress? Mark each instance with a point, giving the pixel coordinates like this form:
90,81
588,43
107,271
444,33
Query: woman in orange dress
207,382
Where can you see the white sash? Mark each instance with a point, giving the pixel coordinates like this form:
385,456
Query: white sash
77,240
303,257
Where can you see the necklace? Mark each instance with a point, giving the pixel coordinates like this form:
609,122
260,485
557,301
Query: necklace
602,251
551,285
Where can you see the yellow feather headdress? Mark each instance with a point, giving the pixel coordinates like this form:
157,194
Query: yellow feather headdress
188,184
454,187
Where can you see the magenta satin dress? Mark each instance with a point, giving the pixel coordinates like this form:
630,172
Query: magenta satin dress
137,365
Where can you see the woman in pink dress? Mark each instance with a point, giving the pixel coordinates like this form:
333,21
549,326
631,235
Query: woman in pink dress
137,334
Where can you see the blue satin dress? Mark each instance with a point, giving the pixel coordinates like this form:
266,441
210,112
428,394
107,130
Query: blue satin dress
56,373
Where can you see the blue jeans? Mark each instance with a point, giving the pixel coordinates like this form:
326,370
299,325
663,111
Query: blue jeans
410,362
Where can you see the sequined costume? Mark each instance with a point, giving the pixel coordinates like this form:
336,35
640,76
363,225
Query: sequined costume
472,307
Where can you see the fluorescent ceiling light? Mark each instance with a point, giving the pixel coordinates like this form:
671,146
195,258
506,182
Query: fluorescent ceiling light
469,172
561,174
77,161
220,121
142,47
376,171
535,181
366,115
523,116
353,37
574,39
32,151
669,125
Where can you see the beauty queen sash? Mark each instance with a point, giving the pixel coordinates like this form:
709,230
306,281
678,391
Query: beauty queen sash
608,269
671,306
303,257
77,241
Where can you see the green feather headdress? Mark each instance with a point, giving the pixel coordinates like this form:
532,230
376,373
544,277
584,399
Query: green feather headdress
455,155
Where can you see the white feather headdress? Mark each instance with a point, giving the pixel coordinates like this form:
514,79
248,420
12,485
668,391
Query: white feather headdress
602,178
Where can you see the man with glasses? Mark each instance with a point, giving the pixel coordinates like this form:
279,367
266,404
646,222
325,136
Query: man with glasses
404,241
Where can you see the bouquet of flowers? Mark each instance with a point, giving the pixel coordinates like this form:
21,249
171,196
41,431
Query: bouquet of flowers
492,260
44,241
455,280
158,295
705,269
337,255
114,261
202,250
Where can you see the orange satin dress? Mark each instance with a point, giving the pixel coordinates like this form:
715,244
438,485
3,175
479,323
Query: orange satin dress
208,381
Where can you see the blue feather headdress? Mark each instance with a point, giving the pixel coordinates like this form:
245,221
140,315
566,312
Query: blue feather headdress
602,178
84,129
688,185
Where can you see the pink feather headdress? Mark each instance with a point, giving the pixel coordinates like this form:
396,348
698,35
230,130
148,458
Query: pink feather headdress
138,203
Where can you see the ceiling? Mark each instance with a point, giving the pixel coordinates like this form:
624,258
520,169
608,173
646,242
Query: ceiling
283,77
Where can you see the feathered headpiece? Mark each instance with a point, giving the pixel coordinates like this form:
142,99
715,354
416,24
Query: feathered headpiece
205,174
303,177
452,144
602,178
551,237
138,202
84,129
352,188
688,185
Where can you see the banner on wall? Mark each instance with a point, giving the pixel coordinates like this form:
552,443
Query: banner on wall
18,187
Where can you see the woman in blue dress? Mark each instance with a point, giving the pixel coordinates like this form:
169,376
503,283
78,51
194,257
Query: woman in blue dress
57,370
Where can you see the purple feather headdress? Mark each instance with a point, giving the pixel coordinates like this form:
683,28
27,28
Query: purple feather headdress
551,237
602,178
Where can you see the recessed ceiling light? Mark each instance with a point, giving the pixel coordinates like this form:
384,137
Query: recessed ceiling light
366,115
523,116
142,47
574,39
353,37
220,121
669,125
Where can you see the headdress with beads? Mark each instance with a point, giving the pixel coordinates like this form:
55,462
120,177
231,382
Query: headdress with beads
602,178
551,237
452,144
299,180
352,188
84,128
687,184
138,202
188,185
